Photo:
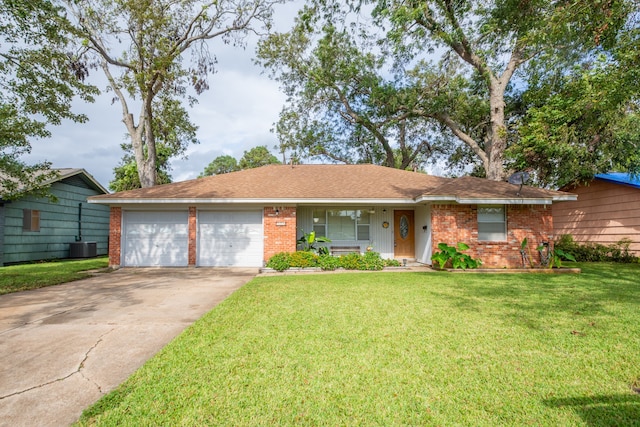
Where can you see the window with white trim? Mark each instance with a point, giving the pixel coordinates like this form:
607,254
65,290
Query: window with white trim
492,223
342,224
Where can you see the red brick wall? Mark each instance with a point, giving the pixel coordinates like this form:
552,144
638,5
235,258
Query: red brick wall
459,223
279,230
115,236
192,236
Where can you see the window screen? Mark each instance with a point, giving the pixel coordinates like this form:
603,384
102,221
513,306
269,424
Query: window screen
492,224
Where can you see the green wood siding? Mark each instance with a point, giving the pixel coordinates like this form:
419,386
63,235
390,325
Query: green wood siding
58,224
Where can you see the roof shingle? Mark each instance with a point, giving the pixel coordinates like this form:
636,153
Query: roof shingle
326,182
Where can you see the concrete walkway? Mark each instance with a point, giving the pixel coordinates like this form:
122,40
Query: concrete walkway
64,347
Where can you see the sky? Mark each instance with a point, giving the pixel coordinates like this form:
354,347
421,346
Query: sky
233,116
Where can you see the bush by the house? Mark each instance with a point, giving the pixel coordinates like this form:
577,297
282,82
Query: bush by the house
280,261
301,259
328,262
596,252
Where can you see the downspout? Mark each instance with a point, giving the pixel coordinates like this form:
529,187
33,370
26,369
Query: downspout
79,236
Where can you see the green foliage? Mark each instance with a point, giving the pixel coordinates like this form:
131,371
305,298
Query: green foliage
303,259
553,258
308,242
256,157
39,79
580,124
392,263
452,255
354,261
126,176
220,165
596,252
141,47
328,262
350,261
371,261
342,105
280,261
433,79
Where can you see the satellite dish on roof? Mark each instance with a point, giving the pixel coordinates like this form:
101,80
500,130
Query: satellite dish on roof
519,178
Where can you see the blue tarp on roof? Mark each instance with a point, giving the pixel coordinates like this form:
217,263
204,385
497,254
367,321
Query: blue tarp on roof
620,178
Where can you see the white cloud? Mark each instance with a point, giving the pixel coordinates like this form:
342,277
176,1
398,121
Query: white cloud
234,115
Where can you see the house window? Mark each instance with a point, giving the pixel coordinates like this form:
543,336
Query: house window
492,223
30,220
338,224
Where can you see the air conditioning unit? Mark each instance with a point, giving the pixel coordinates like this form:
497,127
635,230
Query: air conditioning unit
82,250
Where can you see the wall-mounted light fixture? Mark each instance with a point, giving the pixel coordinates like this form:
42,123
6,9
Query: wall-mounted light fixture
384,211
424,228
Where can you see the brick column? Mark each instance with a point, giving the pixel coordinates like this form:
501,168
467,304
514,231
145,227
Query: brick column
115,236
280,230
192,236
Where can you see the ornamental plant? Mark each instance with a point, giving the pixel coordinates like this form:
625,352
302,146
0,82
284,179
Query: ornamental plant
454,255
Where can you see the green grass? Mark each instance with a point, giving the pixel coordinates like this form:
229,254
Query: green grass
400,349
31,276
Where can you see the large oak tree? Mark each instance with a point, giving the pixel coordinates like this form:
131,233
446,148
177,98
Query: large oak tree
141,46
460,70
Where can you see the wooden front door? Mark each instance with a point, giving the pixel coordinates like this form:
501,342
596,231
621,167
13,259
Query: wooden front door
404,234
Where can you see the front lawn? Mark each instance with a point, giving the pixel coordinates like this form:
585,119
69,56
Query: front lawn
38,275
400,349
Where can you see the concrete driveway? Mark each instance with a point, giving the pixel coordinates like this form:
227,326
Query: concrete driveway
63,347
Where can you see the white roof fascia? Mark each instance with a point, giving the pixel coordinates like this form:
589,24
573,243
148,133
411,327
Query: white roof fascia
114,201
566,198
514,201
421,199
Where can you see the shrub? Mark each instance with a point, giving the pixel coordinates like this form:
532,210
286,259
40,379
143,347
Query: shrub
371,261
392,263
303,259
328,262
596,252
280,261
350,261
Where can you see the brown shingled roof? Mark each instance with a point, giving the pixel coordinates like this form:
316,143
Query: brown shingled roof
296,182
469,187
333,182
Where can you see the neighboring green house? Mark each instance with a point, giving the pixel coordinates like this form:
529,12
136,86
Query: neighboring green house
36,228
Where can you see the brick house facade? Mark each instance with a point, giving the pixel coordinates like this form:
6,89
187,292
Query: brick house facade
453,223
243,218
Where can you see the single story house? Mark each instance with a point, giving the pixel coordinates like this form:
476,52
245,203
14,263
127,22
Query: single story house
37,228
243,218
607,211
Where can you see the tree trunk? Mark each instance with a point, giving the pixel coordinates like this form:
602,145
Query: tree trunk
497,141
147,164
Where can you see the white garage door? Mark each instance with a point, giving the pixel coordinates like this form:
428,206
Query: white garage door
156,239
230,239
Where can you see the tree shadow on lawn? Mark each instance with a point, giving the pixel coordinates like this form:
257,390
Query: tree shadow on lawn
604,410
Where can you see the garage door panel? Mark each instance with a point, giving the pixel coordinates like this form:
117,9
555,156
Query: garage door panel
156,239
230,239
